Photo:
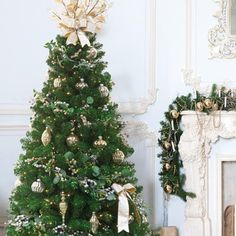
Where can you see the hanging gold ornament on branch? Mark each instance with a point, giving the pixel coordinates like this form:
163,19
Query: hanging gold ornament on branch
72,140
57,83
167,166
118,157
46,137
37,186
92,53
94,223
78,18
81,85
63,206
100,143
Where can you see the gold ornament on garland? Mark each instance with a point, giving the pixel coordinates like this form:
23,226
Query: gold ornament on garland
72,139
174,114
208,103
81,85
167,166
199,106
63,206
167,145
118,157
168,189
78,18
57,83
104,91
37,186
46,137
94,223
100,143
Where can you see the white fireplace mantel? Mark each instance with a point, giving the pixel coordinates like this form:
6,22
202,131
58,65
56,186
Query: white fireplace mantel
200,131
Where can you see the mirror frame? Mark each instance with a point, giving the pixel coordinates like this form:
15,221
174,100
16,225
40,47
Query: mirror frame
221,43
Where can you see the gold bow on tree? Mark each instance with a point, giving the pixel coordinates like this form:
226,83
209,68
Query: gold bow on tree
79,17
123,193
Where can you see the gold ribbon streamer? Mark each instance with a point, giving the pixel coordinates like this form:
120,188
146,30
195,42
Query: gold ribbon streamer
123,206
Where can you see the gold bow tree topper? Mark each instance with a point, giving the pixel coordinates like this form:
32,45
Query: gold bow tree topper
77,18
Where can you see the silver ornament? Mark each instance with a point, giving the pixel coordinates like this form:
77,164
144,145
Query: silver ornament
81,85
46,137
104,91
72,139
37,186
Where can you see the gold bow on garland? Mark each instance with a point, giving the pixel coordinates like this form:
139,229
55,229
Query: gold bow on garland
123,193
80,17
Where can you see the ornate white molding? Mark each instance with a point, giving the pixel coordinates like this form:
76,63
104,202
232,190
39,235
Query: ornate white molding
221,43
200,132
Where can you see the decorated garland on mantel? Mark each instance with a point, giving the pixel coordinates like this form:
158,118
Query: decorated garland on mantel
171,177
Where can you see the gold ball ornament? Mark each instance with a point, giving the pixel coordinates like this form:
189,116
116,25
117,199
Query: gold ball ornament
72,139
199,106
167,145
94,223
46,137
208,103
168,189
167,166
37,186
174,114
100,143
92,52
104,91
81,85
57,83
118,157
63,206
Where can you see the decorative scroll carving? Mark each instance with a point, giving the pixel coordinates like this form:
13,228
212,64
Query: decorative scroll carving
221,44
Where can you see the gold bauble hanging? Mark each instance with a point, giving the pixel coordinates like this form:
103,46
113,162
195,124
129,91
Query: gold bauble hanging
167,166
46,137
72,139
92,52
118,157
100,143
174,114
81,85
94,223
63,206
208,103
57,83
104,91
37,186
167,145
168,189
199,106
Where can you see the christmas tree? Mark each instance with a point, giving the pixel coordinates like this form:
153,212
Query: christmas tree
74,177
